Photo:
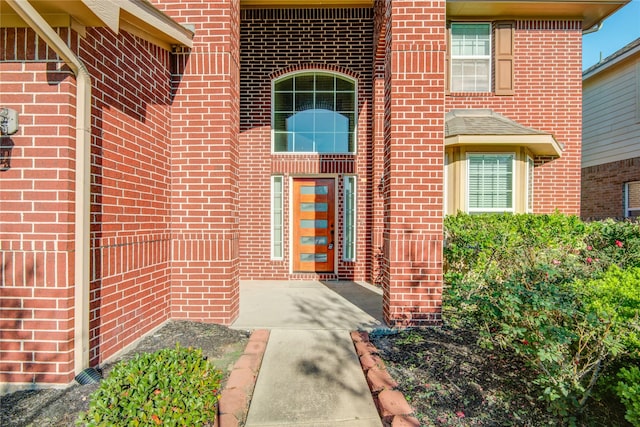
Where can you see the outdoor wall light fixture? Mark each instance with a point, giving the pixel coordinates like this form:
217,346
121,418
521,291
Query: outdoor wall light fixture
8,126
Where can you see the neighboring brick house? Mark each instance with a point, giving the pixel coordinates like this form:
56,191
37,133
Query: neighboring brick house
168,149
611,136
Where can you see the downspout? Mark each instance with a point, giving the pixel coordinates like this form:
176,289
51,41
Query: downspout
83,175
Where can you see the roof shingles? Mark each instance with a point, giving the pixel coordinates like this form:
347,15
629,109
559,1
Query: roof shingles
483,122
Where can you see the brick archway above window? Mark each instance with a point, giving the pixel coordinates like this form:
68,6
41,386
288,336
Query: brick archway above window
314,67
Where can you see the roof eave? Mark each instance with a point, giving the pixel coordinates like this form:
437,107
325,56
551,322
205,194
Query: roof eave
590,12
138,17
612,61
283,4
538,144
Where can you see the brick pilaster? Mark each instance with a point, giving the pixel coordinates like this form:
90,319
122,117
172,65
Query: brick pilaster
205,126
378,140
413,161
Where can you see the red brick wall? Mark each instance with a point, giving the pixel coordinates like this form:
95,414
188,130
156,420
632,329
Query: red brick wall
548,97
377,142
130,189
130,250
413,161
204,161
603,188
273,43
181,165
36,215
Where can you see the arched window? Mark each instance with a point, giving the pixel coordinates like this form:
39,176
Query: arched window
314,112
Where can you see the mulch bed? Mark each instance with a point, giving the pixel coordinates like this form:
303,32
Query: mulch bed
450,380
60,408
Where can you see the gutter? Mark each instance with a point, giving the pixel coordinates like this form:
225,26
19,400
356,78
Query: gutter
83,175
593,29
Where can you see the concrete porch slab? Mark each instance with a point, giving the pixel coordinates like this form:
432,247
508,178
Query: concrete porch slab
309,305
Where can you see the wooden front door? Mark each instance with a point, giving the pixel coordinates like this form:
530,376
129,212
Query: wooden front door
313,224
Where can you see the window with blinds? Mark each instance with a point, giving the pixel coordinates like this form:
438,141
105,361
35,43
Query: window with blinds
479,56
470,57
490,183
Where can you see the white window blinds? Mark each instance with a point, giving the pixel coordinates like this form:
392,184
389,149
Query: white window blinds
490,182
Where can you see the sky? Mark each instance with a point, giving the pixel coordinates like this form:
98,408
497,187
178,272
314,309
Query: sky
618,30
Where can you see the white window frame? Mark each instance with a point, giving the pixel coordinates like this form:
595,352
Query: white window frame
307,72
445,192
277,229
454,58
628,209
513,182
529,185
350,227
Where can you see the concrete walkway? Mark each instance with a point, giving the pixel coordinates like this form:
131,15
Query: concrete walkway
310,374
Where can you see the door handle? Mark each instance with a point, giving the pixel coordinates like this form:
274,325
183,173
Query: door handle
330,247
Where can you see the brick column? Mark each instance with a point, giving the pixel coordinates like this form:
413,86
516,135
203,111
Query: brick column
37,245
378,140
413,161
205,126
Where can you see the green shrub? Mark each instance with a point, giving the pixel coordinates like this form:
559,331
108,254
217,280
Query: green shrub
628,389
171,387
611,242
497,245
615,298
484,250
542,286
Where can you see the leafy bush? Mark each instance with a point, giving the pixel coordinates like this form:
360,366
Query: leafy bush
542,286
613,243
628,389
171,387
615,298
494,245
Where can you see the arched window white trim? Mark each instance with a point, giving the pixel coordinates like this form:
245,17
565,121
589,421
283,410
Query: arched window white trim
314,112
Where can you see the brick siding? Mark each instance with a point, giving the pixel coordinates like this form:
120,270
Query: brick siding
181,164
36,225
548,97
204,163
413,161
603,188
130,189
130,253
275,42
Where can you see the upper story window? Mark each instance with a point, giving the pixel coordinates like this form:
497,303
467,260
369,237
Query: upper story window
314,112
481,57
470,57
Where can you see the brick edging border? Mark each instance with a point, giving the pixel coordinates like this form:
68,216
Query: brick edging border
233,405
391,404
